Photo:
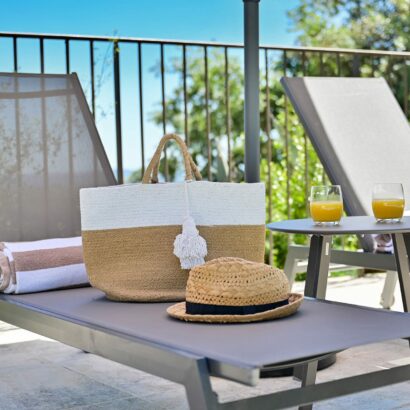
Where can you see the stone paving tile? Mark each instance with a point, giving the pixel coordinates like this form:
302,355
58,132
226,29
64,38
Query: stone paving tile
365,291
171,398
58,386
387,398
121,377
48,387
124,404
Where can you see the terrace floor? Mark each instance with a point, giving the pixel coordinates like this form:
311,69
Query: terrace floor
37,373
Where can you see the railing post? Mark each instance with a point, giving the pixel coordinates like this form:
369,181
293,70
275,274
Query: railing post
117,97
228,114
67,55
252,120
269,140
41,55
164,110
207,117
356,65
141,101
15,55
92,82
405,90
184,74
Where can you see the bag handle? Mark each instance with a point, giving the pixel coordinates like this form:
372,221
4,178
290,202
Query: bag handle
191,170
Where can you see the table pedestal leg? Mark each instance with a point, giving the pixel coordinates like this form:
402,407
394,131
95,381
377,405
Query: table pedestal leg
401,243
316,282
318,266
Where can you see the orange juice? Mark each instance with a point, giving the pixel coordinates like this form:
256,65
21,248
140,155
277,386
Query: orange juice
326,211
388,208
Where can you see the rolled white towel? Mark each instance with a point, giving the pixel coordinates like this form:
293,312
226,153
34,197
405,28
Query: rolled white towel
383,243
27,267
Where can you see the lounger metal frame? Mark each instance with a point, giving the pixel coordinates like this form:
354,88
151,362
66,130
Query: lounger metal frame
350,259
190,370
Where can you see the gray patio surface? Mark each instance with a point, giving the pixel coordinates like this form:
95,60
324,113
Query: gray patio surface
37,373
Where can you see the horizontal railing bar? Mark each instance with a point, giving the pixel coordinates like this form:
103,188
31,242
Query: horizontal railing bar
381,53
120,39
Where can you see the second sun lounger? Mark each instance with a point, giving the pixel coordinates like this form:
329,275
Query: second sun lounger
362,137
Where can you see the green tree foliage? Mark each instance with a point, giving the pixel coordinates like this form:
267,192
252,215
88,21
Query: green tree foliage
197,121
362,24
289,165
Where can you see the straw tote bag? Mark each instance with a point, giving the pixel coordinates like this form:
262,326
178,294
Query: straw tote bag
129,231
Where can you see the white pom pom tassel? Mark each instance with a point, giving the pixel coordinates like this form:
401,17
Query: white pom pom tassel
189,246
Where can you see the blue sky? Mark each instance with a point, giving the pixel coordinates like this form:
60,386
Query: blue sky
219,20
216,20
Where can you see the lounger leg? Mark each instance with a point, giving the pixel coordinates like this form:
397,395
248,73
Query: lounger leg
198,388
309,371
401,243
387,296
290,266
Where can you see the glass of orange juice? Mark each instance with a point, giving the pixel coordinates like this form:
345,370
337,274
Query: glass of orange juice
388,202
326,204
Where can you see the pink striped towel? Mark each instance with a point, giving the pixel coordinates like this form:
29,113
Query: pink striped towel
27,267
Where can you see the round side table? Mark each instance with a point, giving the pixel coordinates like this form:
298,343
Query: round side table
319,258
320,247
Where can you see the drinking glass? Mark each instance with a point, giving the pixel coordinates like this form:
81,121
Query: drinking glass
326,204
388,202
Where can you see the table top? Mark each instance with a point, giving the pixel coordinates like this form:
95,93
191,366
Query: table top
348,225
317,328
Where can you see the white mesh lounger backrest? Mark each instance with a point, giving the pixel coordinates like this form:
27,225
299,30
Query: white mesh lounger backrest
49,149
359,132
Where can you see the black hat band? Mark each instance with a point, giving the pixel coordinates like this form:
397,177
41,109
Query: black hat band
204,309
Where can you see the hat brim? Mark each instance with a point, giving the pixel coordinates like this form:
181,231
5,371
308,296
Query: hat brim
178,311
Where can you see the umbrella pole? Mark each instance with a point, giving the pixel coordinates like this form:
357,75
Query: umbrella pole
252,120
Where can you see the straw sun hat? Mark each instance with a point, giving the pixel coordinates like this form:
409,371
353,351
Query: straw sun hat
228,290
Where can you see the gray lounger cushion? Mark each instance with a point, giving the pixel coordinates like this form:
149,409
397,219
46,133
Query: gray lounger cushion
318,327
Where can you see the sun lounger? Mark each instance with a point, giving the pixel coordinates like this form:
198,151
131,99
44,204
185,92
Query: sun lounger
50,112
362,137
141,335
49,150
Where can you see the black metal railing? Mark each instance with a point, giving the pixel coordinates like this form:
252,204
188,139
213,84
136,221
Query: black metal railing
280,133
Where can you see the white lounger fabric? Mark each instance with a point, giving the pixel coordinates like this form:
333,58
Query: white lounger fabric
41,265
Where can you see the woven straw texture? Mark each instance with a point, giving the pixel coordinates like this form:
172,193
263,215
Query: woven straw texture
230,281
139,264
128,231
